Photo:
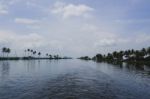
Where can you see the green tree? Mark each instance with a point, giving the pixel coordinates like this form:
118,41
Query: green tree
34,52
31,52
115,54
28,51
99,57
8,51
47,55
148,50
39,54
4,49
50,56
143,51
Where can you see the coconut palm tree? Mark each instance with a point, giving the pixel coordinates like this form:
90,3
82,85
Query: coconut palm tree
39,54
47,54
115,54
143,51
34,52
132,51
4,51
8,51
50,56
31,52
28,51
55,56
120,55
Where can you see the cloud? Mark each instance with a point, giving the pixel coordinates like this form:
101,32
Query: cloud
142,38
133,21
35,41
105,43
70,10
11,2
3,9
89,28
14,40
26,21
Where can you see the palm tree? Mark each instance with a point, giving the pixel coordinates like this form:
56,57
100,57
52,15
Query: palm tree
28,51
129,52
132,51
31,52
144,51
47,55
115,55
8,51
39,54
34,52
50,56
120,55
4,51
55,56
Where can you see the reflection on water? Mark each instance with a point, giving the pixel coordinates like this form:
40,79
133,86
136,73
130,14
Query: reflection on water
73,79
4,67
134,67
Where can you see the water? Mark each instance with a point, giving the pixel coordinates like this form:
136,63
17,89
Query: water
72,79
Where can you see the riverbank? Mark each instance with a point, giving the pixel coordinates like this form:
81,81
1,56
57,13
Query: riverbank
130,56
10,58
118,62
30,58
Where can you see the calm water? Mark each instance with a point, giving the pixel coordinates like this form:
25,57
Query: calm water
72,79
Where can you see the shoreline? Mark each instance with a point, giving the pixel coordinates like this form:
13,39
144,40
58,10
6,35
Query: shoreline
141,62
29,58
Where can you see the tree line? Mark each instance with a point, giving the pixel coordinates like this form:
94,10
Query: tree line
29,54
127,55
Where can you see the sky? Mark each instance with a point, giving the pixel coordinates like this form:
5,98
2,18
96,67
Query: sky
74,27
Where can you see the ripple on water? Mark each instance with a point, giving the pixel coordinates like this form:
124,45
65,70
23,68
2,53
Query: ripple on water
72,79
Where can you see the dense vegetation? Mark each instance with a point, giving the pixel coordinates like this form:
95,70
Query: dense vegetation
85,58
132,55
127,55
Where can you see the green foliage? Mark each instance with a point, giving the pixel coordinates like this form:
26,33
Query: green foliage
130,55
6,51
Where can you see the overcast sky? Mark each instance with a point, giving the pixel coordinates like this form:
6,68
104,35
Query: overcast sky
74,27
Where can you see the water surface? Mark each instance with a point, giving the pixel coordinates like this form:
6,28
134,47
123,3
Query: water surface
72,79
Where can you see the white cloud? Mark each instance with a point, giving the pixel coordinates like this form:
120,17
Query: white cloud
21,41
142,38
89,28
105,43
3,9
26,21
33,41
11,2
133,21
70,10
